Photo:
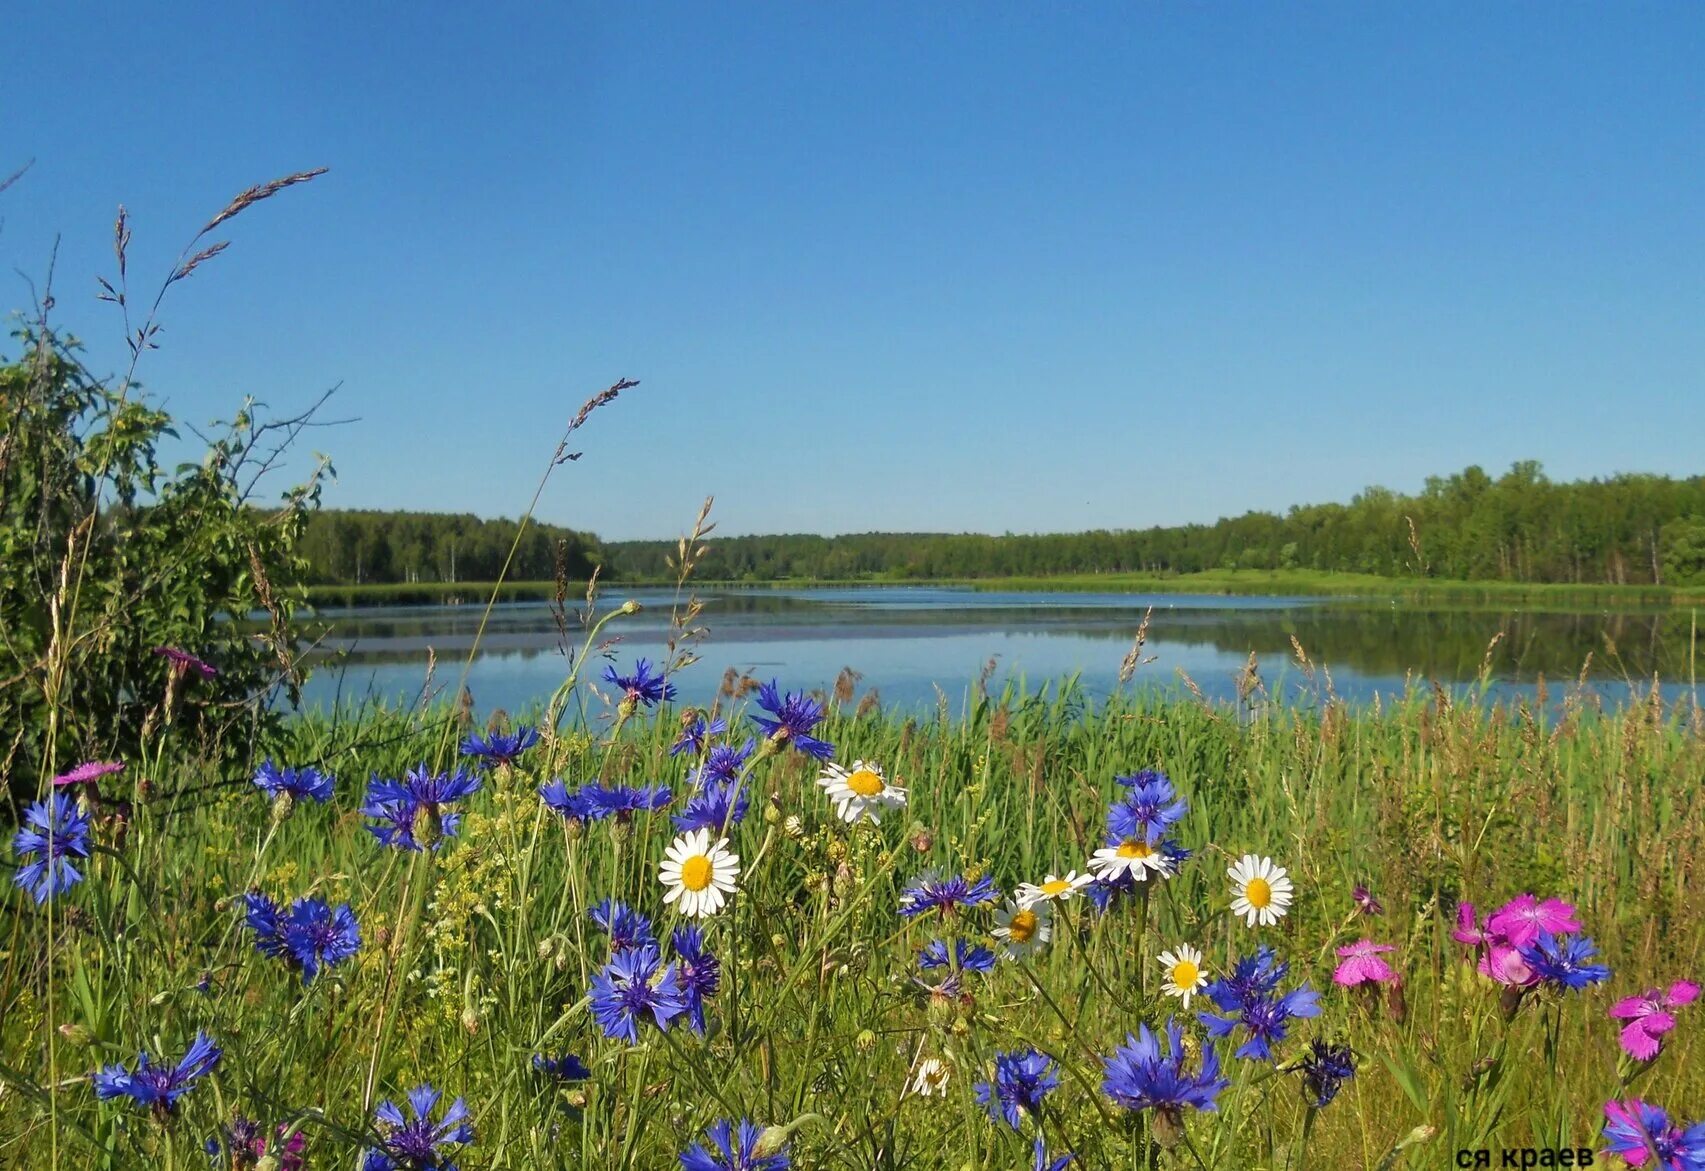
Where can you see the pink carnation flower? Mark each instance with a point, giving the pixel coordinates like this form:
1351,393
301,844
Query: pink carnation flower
1648,1016
1521,920
89,770
1362,964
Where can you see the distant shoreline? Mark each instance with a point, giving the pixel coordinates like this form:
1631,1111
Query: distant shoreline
1252,583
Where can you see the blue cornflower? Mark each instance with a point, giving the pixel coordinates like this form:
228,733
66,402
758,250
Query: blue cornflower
631,987
710,808
1150,808
722,764
498,748
1042,1163
567,1068
298,783
54,832
792,717
700,972
1022,1079
1561,961
1325,1067
626,927
1252,978
966,957
694,735
576,806
310,934
930,891
1265,1017
410,813
418,1144
623,801
645,686
1140,1077
735,1147
1637,1131
158,1087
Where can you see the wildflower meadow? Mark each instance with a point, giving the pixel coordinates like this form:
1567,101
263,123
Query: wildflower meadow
617,933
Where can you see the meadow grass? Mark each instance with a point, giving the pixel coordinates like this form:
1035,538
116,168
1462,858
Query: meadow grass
479,954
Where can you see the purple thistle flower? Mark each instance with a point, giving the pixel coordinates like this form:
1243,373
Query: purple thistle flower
700,973
710,808
644,686
418,1143
694,735
1638,1131
498,748
158,1087
635,986
1325,1068
791,720
89,772
722,764
298,783
1021,1080
54,832
1139,1076
410,813
1561,961
626,927
932,892
567,1068
966,957
183,661
623,801
735,1147
1150,808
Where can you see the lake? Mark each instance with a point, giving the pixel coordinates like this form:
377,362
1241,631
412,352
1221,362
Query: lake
908,642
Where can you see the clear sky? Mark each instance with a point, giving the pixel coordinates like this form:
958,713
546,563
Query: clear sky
1026,267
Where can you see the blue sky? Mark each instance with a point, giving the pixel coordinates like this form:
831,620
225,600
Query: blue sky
924,267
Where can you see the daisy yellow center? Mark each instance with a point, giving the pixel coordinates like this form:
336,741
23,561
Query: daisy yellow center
865,783
696,873
1022,926
1184,974
1058,886
1132,848
1259,893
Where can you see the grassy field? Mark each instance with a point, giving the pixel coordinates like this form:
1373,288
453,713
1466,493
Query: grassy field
1224,582
480,954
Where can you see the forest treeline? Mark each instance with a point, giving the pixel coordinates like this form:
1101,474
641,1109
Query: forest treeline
1470,526
369,546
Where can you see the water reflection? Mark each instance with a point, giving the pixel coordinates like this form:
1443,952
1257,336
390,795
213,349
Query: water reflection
910,641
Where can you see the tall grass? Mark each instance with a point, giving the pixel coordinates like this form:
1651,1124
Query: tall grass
480,954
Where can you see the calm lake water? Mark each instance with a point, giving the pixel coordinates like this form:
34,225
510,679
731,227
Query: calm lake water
909,641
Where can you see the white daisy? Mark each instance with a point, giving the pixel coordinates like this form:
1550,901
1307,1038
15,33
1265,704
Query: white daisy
1132,856
930,1077
698,874
861,791
1024,927
1260,891
1052,887
1184,974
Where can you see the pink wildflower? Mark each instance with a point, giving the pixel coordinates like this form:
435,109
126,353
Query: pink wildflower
89,771
1362,964
1649,1018
184,661
1521,920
